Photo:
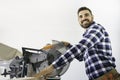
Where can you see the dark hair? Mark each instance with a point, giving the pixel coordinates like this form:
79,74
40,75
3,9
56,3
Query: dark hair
84,8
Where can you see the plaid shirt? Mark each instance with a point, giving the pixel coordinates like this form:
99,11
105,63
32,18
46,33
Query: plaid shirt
94,49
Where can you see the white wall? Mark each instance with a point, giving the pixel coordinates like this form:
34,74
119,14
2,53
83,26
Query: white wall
34,23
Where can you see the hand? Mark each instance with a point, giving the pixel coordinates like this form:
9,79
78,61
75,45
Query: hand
65,43
45,72
48,46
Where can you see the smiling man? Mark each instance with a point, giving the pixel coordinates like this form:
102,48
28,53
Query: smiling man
94,49
85,18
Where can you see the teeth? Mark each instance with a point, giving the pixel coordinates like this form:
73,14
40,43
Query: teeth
85,22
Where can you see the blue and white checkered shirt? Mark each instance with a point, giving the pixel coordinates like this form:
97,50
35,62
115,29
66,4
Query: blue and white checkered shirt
94,49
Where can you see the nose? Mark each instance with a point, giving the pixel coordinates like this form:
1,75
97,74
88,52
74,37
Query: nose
83,18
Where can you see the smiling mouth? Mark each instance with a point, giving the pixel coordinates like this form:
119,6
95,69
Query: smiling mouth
85,21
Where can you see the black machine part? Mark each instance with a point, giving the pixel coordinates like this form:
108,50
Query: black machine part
43,58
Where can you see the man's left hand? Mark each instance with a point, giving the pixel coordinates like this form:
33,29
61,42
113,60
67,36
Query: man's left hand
45,72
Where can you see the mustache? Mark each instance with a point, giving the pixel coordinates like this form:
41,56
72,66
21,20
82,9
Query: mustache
85,20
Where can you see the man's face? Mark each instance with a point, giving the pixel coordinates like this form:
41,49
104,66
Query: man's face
85,18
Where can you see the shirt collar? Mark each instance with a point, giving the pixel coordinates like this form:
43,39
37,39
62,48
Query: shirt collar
89,27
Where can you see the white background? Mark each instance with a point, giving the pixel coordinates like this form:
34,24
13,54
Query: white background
34,23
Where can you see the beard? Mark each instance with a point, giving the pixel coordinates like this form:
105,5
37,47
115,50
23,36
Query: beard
86,23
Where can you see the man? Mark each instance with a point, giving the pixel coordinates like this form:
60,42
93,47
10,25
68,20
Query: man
94,49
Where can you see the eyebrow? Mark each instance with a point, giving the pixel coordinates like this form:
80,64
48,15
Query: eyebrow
84,14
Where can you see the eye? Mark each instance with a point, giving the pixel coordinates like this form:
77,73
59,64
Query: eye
86,15
80,16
